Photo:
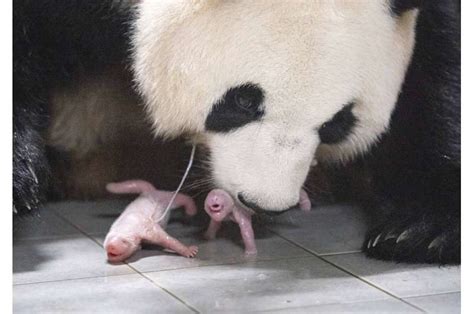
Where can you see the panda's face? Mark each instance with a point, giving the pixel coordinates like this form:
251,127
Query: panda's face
269,85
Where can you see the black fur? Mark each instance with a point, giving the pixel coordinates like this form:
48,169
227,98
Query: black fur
52,41
259,210
339,127
417,167
239,106
398,7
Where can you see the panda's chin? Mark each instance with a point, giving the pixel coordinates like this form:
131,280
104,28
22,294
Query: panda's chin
256,208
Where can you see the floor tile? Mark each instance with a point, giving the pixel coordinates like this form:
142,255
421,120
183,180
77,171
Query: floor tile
449,303
119,294
42,225
379,307
59,259
403,280
324,230
267,285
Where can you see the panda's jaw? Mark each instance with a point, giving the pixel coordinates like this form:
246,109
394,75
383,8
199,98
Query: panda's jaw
262,165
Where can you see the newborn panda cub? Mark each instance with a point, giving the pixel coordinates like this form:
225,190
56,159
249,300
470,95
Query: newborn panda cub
143,221
220,206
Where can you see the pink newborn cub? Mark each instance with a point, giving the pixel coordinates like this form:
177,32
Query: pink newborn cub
220,206
140,221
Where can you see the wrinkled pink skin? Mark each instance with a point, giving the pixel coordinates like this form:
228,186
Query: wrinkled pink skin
220,206
139,222
305,202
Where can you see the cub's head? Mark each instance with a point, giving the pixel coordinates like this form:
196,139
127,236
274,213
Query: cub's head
270,85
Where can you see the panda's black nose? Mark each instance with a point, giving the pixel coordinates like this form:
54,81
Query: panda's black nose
259,210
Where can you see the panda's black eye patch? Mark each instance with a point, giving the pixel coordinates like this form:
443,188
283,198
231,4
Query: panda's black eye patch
239,106
339,127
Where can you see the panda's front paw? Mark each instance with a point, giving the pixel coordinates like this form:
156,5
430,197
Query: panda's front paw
30,177
28,191
422,240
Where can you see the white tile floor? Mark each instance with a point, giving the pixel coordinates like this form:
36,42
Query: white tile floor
307,263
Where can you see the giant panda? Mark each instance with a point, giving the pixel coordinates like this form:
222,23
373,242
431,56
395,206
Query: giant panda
271,88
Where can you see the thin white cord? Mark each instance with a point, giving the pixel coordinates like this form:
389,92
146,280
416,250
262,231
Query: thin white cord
188,168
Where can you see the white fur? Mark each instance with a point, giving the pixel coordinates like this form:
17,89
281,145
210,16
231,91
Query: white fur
310,58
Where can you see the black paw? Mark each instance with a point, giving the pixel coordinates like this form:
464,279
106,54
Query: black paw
30,165
28,189
416,240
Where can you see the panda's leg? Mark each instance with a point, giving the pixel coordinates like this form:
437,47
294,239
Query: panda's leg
419,162
421,190
421,186
30,165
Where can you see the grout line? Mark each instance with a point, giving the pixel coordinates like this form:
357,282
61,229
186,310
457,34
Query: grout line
70,279
165,290
348,272
340,253
432,294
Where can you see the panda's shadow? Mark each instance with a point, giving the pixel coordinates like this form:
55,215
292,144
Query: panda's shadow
28,237
28,259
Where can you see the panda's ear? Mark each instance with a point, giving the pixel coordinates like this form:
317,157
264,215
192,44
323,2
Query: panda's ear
398,7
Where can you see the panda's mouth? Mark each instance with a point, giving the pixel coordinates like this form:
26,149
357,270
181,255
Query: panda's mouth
257,209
